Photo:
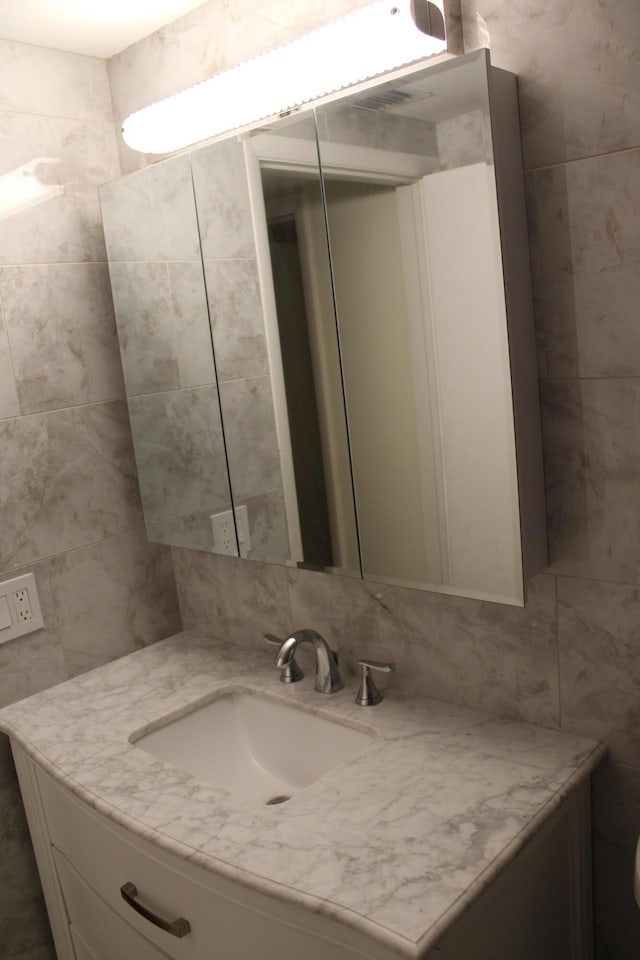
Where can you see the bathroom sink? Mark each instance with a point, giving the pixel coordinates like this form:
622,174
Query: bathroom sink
260,749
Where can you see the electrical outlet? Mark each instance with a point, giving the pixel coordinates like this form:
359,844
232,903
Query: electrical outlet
22,605
20,611
224,533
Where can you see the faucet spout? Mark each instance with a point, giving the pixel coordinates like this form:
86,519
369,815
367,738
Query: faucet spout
327,675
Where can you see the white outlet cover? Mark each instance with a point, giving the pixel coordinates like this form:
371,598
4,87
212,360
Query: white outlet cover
7,590
220,522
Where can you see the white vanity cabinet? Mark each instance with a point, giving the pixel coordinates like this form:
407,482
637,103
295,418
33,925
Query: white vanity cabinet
538,907
451,835
84,859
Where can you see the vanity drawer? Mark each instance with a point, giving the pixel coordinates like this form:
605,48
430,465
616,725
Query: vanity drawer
97,932
227,920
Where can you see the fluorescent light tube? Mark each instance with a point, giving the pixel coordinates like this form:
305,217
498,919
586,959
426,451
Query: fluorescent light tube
364,44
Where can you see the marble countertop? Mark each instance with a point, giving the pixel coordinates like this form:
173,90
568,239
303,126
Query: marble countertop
439,802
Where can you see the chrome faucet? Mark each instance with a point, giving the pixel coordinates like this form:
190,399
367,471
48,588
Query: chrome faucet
327,675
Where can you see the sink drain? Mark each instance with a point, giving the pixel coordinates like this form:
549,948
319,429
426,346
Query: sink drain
279,798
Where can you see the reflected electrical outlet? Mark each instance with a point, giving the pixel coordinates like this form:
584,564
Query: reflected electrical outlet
224,532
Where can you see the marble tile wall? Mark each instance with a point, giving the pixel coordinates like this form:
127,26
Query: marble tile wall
69,504
571,658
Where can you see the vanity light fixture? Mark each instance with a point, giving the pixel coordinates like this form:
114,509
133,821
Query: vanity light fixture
380,37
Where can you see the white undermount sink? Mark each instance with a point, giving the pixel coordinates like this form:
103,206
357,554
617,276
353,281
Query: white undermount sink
260,749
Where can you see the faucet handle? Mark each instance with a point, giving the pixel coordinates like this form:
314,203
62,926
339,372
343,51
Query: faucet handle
290,673
368,694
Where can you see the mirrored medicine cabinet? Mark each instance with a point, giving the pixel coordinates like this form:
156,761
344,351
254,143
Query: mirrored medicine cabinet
327,338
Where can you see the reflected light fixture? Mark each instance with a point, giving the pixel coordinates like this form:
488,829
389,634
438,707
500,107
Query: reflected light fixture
22,187
380,37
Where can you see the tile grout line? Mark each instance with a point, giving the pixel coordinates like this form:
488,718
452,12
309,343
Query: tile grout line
7,111
578,379
586,579
74,406
57,263
591,156
83,546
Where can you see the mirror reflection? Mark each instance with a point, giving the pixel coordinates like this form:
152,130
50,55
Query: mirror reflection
414,235
305,319
151,233
264,248
290,225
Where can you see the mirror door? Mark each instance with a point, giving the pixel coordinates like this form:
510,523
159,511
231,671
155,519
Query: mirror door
151,232
415,244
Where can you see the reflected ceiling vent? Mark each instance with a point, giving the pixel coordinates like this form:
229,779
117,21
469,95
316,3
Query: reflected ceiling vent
388,99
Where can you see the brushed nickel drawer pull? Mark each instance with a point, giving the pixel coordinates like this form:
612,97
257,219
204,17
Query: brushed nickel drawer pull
177,928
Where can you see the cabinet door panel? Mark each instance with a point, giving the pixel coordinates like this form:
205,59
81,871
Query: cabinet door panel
160,303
